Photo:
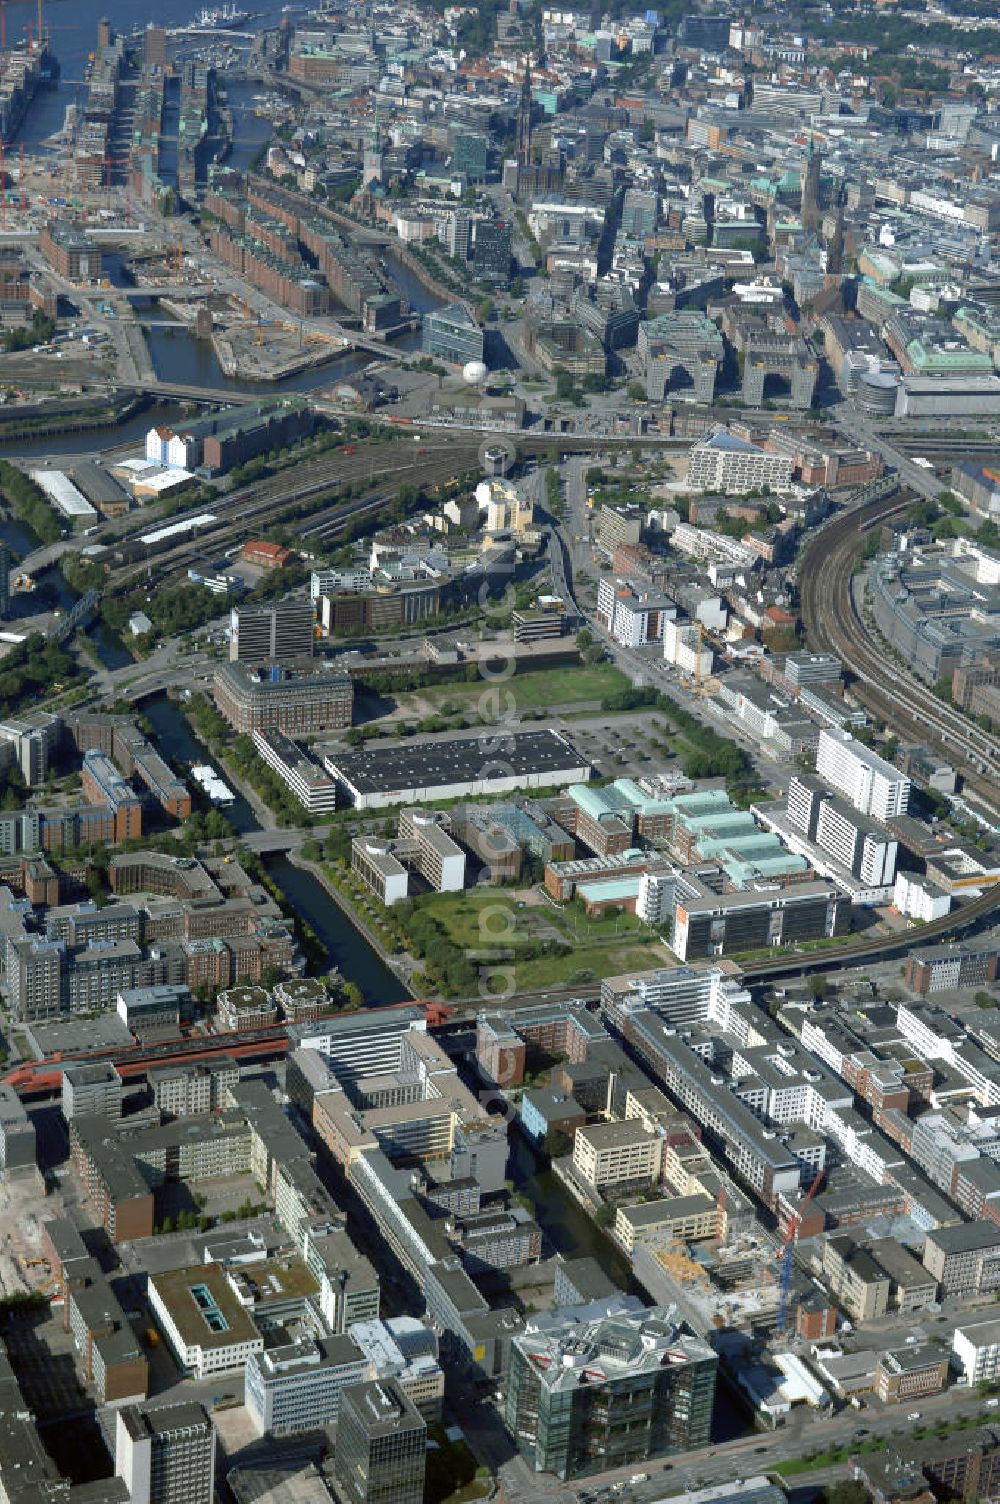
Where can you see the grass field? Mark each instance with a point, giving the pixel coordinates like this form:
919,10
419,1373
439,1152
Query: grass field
541,689
587,964
496,921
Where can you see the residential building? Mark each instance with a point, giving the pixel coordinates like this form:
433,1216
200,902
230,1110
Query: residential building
722,462
866,780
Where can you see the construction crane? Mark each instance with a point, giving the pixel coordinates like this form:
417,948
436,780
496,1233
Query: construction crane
787,1254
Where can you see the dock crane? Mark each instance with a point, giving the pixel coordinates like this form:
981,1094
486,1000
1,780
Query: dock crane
787,1254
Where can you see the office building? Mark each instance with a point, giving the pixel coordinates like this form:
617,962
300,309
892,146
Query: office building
297,1386
423,846
856,1279
166,1456
313,787
870,783
91,1091
720,924
452,334
203,1319
183,1091
976,1347
682,350
381,1448
271,634
586,1393
275,699
943,968
856,842
493,251
964,1258
154,46
17,1132
623,1155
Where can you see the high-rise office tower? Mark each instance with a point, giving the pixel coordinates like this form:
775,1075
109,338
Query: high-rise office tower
166,1456
381,1451
154,46
271,634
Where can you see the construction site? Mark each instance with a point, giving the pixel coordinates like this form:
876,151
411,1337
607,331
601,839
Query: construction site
24,1206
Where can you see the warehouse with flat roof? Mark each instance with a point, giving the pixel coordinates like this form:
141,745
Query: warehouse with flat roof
457,767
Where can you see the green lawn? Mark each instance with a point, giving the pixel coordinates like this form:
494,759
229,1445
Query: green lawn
540,689
492,921
562,968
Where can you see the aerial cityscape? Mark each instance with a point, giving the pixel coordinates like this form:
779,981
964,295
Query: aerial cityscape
500,752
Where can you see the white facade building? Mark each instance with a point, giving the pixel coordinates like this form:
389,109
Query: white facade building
870,783
918,897
722,462
685,645
977,1349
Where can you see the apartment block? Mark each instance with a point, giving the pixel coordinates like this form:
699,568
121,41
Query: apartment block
964,1258
867,781
617,1154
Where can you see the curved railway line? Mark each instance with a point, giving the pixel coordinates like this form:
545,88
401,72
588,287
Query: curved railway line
834,624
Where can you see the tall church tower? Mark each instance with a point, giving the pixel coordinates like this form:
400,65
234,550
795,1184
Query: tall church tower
809,211
524,119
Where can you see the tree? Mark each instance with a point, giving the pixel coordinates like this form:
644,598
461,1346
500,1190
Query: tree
636,391
845,1493
565,386
353,996
818,986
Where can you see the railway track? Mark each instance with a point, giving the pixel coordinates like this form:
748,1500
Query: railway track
237,513
834,624
879,948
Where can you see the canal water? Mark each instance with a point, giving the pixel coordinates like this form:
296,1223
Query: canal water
178,357
175,741
345,946
94,441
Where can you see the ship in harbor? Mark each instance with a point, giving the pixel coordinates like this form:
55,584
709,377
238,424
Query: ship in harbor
221,18
24,69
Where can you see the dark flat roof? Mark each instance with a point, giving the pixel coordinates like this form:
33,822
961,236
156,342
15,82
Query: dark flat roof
458,760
